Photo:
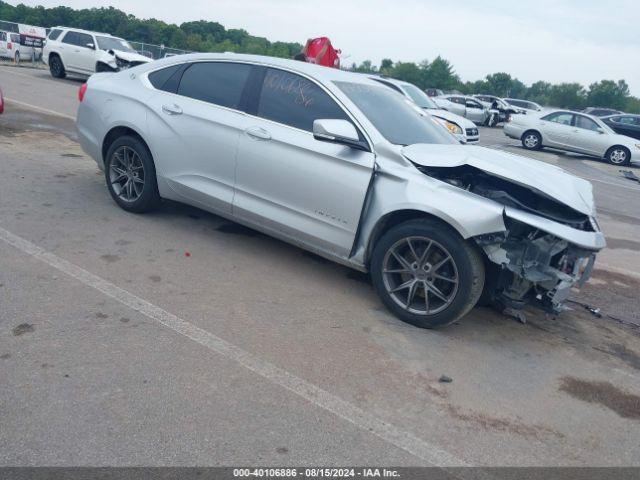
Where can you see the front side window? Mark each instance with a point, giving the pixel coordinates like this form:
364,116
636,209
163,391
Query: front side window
586,123
84,40
563,118
220,83
293,100
393,117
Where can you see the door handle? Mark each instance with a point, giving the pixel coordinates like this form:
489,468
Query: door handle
172,109
258,133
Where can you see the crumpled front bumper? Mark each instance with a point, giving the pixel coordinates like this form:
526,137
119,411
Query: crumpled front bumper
541,267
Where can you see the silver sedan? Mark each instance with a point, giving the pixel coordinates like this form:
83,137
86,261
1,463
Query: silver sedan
342,166
573,132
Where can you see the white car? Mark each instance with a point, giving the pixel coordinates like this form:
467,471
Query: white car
463,129
83,52
10,47
573,132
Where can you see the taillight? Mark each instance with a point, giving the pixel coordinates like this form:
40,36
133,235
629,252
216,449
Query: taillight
9,46
82,91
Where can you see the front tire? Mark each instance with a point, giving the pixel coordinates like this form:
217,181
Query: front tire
426,274
618,156
56,67
131,175
532,140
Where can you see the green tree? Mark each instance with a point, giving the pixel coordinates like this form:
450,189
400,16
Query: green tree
498,84
608,93
567,95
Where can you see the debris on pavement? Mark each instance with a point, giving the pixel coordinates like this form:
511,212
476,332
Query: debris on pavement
517,314
445,379
630,175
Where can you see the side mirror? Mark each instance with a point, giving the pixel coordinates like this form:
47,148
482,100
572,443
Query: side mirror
91,46
600,131
338,131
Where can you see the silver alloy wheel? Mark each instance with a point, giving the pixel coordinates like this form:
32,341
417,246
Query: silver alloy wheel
531,140
618,156
420,275
126,174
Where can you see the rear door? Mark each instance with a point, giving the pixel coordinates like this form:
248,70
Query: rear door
311,192
458,107
196,120
556,129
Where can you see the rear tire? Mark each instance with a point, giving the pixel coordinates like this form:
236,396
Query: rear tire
56,67
16,59
618,155
531,140
439,279
131,175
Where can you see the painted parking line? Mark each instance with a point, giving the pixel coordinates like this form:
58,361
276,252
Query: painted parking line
39,109
307,390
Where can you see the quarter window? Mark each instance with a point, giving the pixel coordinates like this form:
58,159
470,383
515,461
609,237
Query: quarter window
160,78
55,33
295,101
220,83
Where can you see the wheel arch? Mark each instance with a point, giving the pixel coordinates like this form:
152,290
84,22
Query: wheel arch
117,132
396,217
55,54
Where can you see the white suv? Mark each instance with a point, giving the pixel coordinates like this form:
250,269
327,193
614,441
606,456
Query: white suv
84,52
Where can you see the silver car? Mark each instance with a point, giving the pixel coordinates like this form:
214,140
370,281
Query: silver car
464,106
342,166
573,132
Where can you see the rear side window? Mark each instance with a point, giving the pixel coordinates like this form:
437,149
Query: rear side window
160,78
219,83
559,117
3,37
55,33
71,38
295,101
15,38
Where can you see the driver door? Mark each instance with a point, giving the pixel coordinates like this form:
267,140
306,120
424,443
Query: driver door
309,191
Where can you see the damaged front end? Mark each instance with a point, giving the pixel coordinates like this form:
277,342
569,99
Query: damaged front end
546,248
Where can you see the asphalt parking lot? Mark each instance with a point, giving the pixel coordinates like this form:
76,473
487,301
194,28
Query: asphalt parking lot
179,338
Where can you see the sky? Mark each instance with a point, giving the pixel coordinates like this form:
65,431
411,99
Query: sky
551,40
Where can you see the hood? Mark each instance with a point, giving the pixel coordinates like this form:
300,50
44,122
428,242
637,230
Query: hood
451,117
547,179
131,56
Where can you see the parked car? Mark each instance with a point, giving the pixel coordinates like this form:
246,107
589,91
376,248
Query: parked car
467,107
601,112
463,129
624,124
573,132
84,52
10,47
340,165
434,92
526,105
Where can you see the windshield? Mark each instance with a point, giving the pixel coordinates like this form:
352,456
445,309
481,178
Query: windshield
113,43
418,96
394,118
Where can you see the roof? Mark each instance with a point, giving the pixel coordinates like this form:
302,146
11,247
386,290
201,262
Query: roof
90,32
318,72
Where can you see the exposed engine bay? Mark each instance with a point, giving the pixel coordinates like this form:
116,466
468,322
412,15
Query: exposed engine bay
526,265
